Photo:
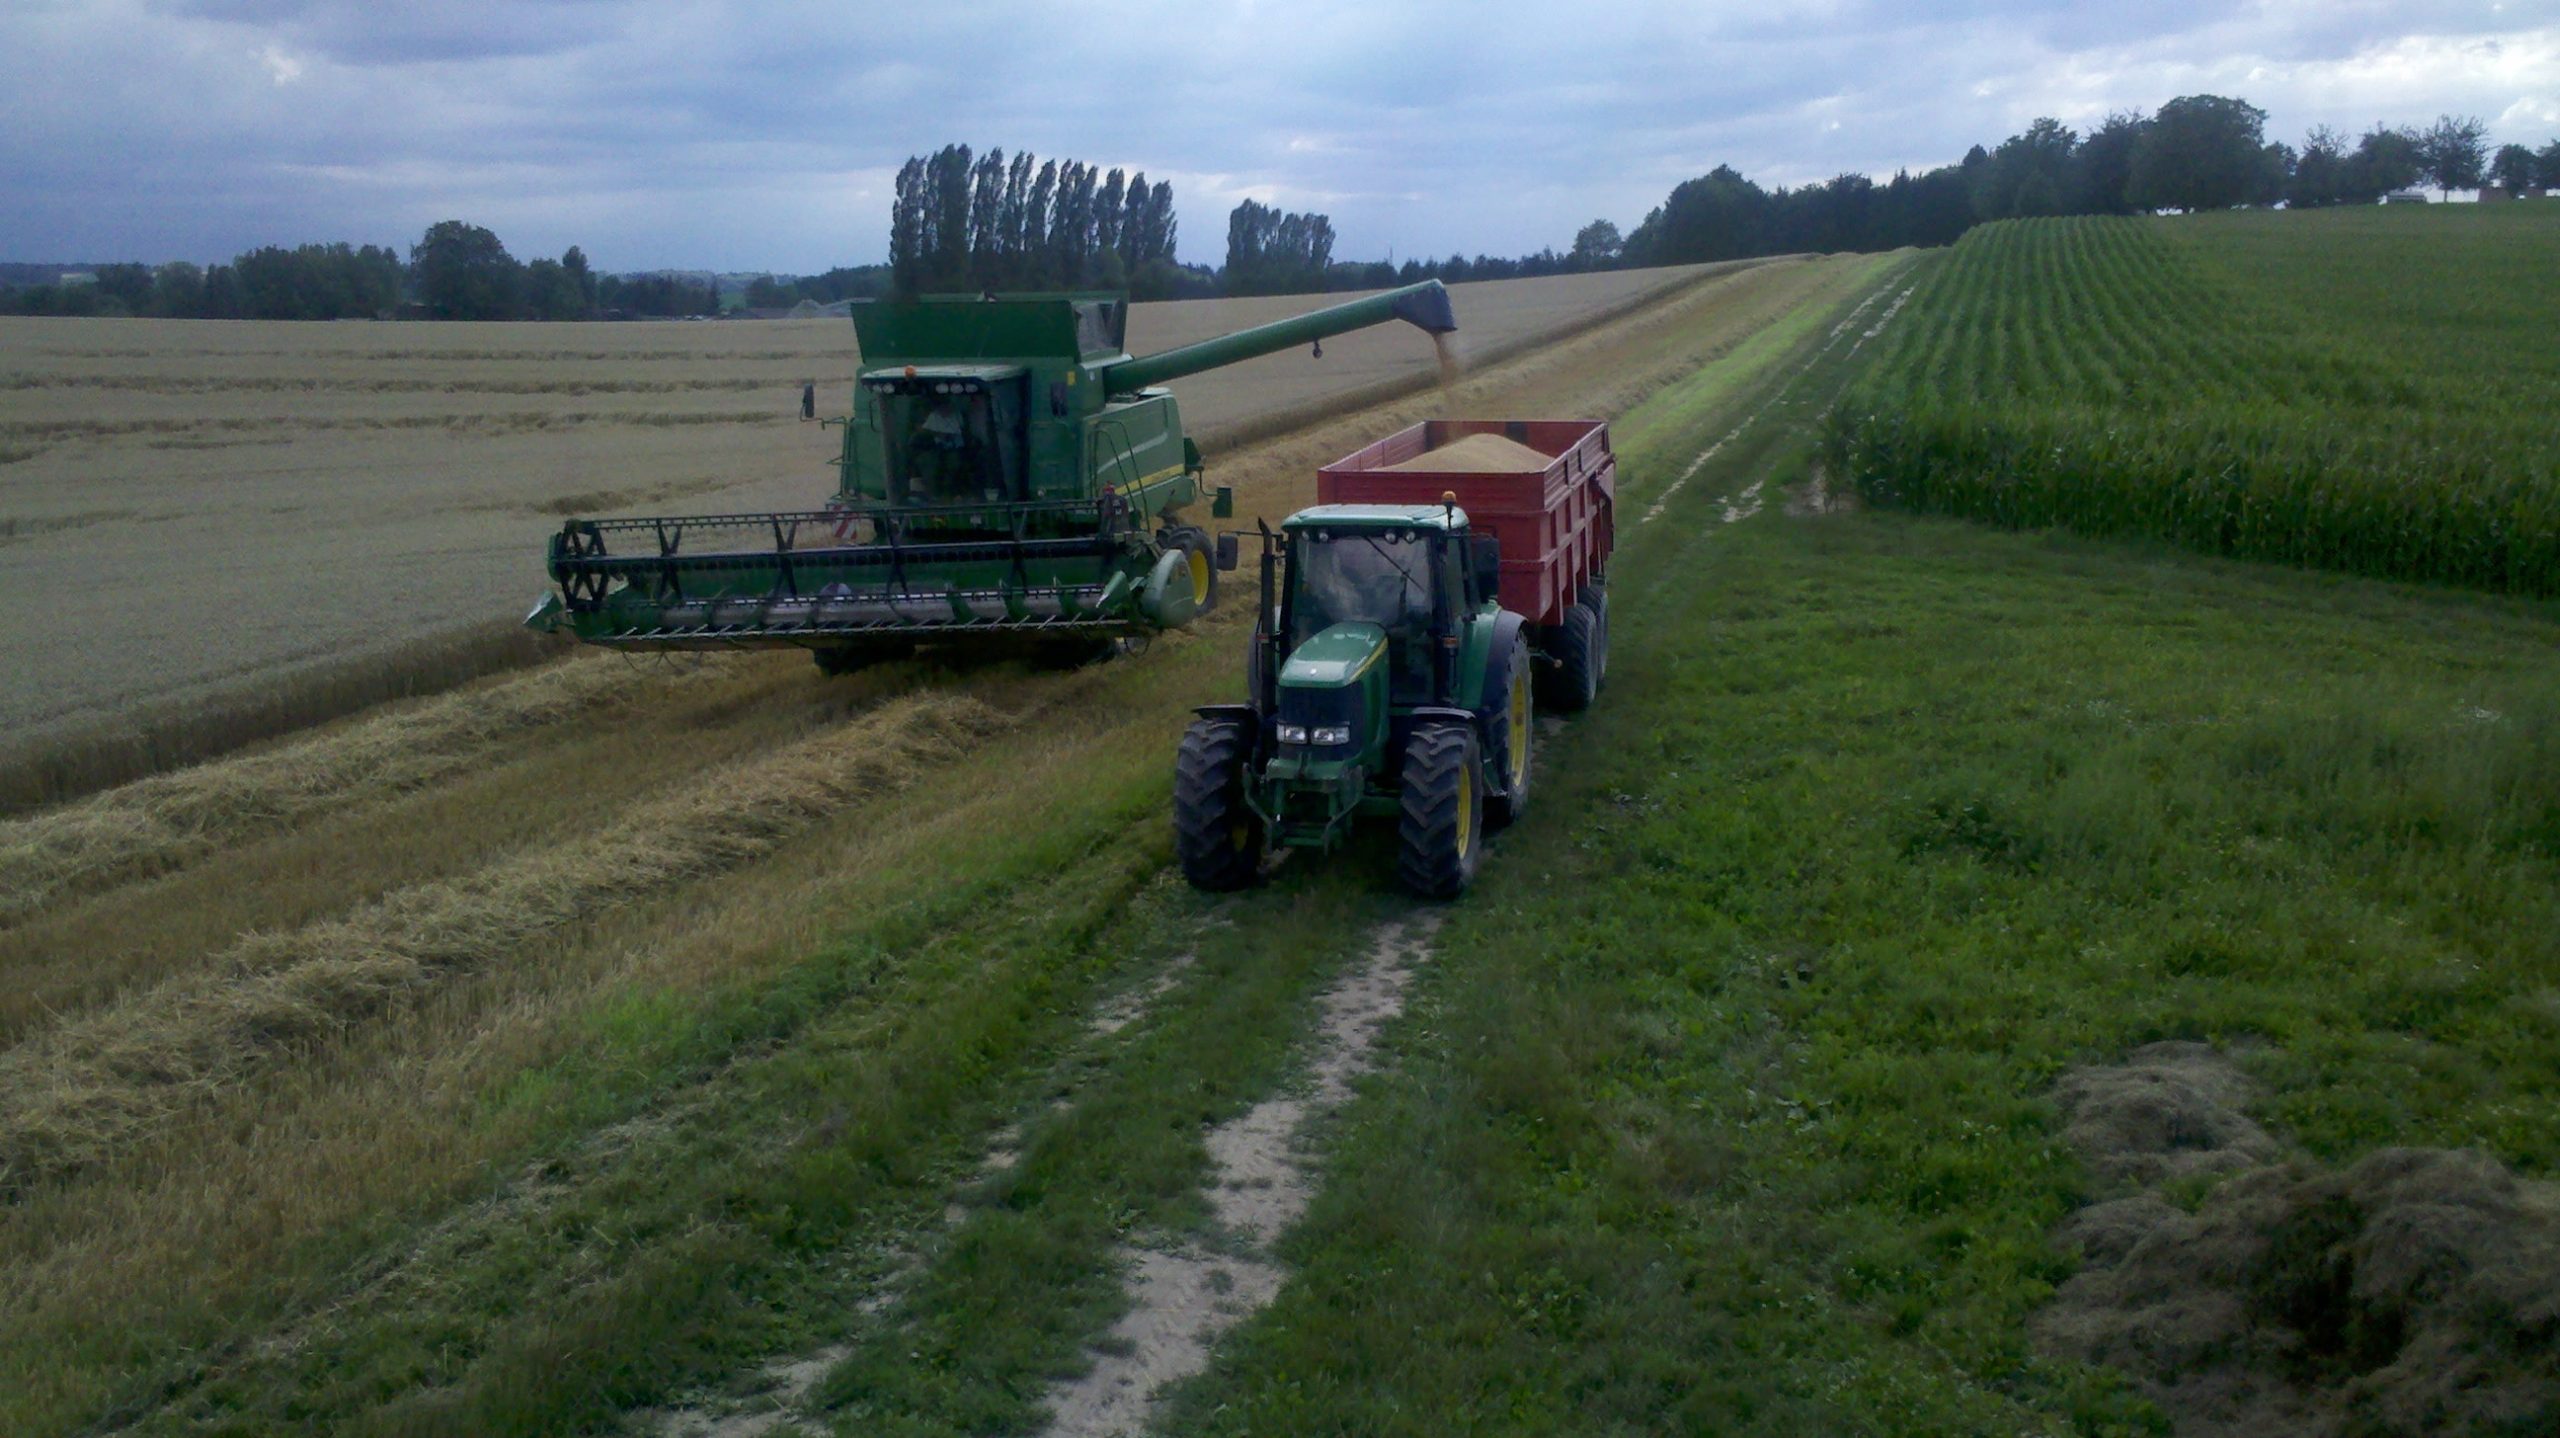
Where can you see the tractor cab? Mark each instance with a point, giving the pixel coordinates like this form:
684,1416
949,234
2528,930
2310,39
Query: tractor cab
1387,581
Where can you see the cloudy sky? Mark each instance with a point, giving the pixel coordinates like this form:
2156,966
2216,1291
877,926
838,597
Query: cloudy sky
753,136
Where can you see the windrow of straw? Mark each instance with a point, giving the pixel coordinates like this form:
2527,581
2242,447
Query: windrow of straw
75,1095
160,823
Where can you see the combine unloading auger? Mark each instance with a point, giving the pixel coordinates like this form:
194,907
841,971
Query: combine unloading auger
1008,469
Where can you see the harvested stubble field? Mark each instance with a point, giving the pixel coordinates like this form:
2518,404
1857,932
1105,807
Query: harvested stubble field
1954,981
218,528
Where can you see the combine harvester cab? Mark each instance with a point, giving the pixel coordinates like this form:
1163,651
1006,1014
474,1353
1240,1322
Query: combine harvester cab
1008,469
1451,572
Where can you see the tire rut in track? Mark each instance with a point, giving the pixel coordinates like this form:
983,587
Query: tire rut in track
1185,1294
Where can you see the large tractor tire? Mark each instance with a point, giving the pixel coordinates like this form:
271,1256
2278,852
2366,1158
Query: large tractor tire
837,660
1215,833
1580,649
1442,831
1193,541
1504,722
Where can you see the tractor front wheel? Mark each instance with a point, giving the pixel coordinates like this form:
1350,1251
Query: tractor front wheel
1216,834
1443,825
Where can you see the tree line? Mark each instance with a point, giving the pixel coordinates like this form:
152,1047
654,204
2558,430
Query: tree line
2199,152
959,224
455,271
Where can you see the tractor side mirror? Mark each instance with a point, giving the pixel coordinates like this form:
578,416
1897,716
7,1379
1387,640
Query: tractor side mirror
808,401
1226,551
1484,556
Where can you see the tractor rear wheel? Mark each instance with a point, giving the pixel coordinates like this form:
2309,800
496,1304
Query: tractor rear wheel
1579,651
1443,826
1507,730
1216,834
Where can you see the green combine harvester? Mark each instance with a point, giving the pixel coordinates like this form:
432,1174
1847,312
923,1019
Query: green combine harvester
1008,470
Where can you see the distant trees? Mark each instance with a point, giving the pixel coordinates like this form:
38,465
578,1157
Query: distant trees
2512,168
2546,166
1596,246
2453,153
2202,152
1275,252
464,273
989,223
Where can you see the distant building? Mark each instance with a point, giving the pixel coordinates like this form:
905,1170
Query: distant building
77,277
2405,197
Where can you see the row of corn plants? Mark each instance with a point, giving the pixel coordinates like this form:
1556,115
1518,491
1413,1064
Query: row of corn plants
2359,392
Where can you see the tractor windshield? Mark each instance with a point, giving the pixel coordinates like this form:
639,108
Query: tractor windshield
1362,577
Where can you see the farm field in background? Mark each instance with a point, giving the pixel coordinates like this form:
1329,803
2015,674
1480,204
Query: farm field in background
193,510
2365,389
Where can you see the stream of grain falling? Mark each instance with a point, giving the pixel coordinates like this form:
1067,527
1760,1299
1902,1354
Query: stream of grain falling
1450,368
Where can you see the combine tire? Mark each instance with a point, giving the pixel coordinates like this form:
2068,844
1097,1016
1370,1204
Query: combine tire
1505,724
837,660
1443,825
1194,541
1580,649
1215,834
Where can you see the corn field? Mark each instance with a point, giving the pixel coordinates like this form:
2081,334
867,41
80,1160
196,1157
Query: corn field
2347,390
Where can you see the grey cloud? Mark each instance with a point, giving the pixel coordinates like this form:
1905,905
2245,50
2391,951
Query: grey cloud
734,135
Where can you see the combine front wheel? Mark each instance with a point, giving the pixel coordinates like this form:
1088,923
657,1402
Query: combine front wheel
1193,541
1215,833
840,659
1443,825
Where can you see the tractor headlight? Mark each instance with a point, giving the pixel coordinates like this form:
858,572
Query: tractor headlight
1332,734
1293,733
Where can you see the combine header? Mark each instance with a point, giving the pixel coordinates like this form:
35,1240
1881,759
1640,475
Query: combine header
1008,469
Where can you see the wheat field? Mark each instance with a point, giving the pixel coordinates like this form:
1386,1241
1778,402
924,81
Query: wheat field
191,510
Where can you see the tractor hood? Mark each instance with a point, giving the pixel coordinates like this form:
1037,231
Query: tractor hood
1335,658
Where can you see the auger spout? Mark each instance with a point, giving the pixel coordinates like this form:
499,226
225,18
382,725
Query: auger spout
1424,305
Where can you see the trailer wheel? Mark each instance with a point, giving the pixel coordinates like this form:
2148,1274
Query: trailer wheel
837,660
1443,826
1193,541
1216,834
1596,596
1507,731
1575,677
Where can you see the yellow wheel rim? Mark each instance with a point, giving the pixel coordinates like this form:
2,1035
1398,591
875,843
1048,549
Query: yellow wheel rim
1466,812
1199,577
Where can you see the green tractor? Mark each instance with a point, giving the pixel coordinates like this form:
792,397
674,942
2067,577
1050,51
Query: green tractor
1009,470
1386,679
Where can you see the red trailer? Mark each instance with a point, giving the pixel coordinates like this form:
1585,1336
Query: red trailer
1554,524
